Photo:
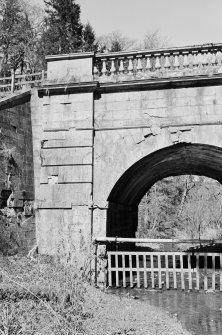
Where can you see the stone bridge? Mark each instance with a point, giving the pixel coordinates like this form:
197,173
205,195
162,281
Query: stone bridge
106,127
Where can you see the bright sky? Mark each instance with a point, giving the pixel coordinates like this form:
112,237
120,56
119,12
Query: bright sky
183,22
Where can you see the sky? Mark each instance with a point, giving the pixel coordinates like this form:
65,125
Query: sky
182,22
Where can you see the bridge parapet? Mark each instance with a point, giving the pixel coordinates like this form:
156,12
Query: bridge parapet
162,63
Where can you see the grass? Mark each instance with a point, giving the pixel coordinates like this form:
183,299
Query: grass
48,297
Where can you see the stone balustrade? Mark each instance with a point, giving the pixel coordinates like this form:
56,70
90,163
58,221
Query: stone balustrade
155,64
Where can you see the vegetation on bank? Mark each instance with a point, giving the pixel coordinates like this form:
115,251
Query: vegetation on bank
183,207
47,296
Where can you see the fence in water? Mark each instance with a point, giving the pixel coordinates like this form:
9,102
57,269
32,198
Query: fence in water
171,270
190,270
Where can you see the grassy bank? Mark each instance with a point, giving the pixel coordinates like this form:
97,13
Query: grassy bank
47,297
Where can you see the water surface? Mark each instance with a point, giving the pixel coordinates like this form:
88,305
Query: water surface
200,313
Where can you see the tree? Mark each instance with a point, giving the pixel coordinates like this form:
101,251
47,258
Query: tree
115,42
186,207
34,51
64,31
15,34
89,38
154,40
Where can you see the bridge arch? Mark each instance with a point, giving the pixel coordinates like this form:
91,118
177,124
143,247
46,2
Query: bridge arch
179,159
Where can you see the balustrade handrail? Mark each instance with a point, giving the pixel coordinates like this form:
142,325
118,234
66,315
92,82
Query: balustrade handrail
170,50
205,59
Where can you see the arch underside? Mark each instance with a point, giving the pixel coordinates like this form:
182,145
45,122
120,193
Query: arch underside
179,159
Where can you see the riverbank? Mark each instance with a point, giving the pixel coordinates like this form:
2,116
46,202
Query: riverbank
47,297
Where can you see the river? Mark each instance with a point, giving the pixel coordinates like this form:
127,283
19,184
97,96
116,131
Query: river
200,313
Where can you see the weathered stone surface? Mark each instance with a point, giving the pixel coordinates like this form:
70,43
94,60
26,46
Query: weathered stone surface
70,68
63,231
73,193
69,138
16,137
86,145
66,156
67,174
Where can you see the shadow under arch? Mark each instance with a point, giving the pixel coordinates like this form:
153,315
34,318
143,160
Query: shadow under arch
178,159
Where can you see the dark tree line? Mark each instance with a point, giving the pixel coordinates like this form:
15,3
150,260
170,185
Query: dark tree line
29,33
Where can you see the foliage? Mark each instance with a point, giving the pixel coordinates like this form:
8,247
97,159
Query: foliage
187,207
115,42
64,32
89,38
28,33
154,40
15,34
46,296
34,55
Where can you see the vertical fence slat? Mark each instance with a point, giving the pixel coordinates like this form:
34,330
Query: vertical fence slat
167,272
131,270
197,273
152,271
189,272
137,271
213,272
144,270
124,270
182,273
117,269
109,270
220,272
159,271
13,81
205,273
174,272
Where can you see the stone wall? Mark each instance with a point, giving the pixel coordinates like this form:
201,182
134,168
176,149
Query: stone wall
17,223
131,125
87,134
16,136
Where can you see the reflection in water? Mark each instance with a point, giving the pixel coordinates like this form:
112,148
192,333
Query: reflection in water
199,312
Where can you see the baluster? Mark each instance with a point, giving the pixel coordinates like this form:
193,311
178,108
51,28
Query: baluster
204,60
104,67
148,63
185,61
213,62
157,63
218,61
139,64
167,63
95,71
213,59
113,68
121,67
209,57
130,66
195,60
176,62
